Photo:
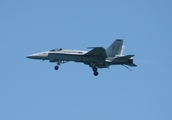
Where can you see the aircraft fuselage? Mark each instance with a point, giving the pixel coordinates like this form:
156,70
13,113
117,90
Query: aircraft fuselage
96,58
69,55
76,56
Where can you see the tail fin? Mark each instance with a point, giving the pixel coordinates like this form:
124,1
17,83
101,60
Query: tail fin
115,48
122,50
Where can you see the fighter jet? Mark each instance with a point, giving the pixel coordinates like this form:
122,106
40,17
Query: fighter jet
96,58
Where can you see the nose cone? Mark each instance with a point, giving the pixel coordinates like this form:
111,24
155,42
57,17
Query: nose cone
32,56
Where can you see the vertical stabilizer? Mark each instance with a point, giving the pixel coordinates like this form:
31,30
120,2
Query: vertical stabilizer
122,50
115,48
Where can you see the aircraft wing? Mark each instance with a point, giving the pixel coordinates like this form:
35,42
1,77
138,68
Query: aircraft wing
97,52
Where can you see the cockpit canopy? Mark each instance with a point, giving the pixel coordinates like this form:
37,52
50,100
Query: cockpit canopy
56,49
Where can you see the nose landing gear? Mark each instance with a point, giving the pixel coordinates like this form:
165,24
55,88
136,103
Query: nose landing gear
56,67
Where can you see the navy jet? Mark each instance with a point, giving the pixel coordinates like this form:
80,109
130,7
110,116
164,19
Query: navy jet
96,58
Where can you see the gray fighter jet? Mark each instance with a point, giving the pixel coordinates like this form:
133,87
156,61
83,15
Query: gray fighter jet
96,58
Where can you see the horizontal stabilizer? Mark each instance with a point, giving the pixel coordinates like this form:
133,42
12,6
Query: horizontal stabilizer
97,52
132,65
125,57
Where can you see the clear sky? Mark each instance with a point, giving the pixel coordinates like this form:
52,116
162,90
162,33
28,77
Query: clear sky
33,90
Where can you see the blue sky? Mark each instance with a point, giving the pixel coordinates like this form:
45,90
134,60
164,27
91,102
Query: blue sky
32,90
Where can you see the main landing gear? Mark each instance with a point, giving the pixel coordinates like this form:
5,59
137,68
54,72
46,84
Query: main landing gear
95,71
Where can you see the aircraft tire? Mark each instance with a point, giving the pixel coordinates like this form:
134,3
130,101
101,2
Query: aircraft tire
96,73
56,67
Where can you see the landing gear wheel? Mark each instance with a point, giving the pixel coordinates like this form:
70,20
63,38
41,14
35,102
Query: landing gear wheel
96,73
56,67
